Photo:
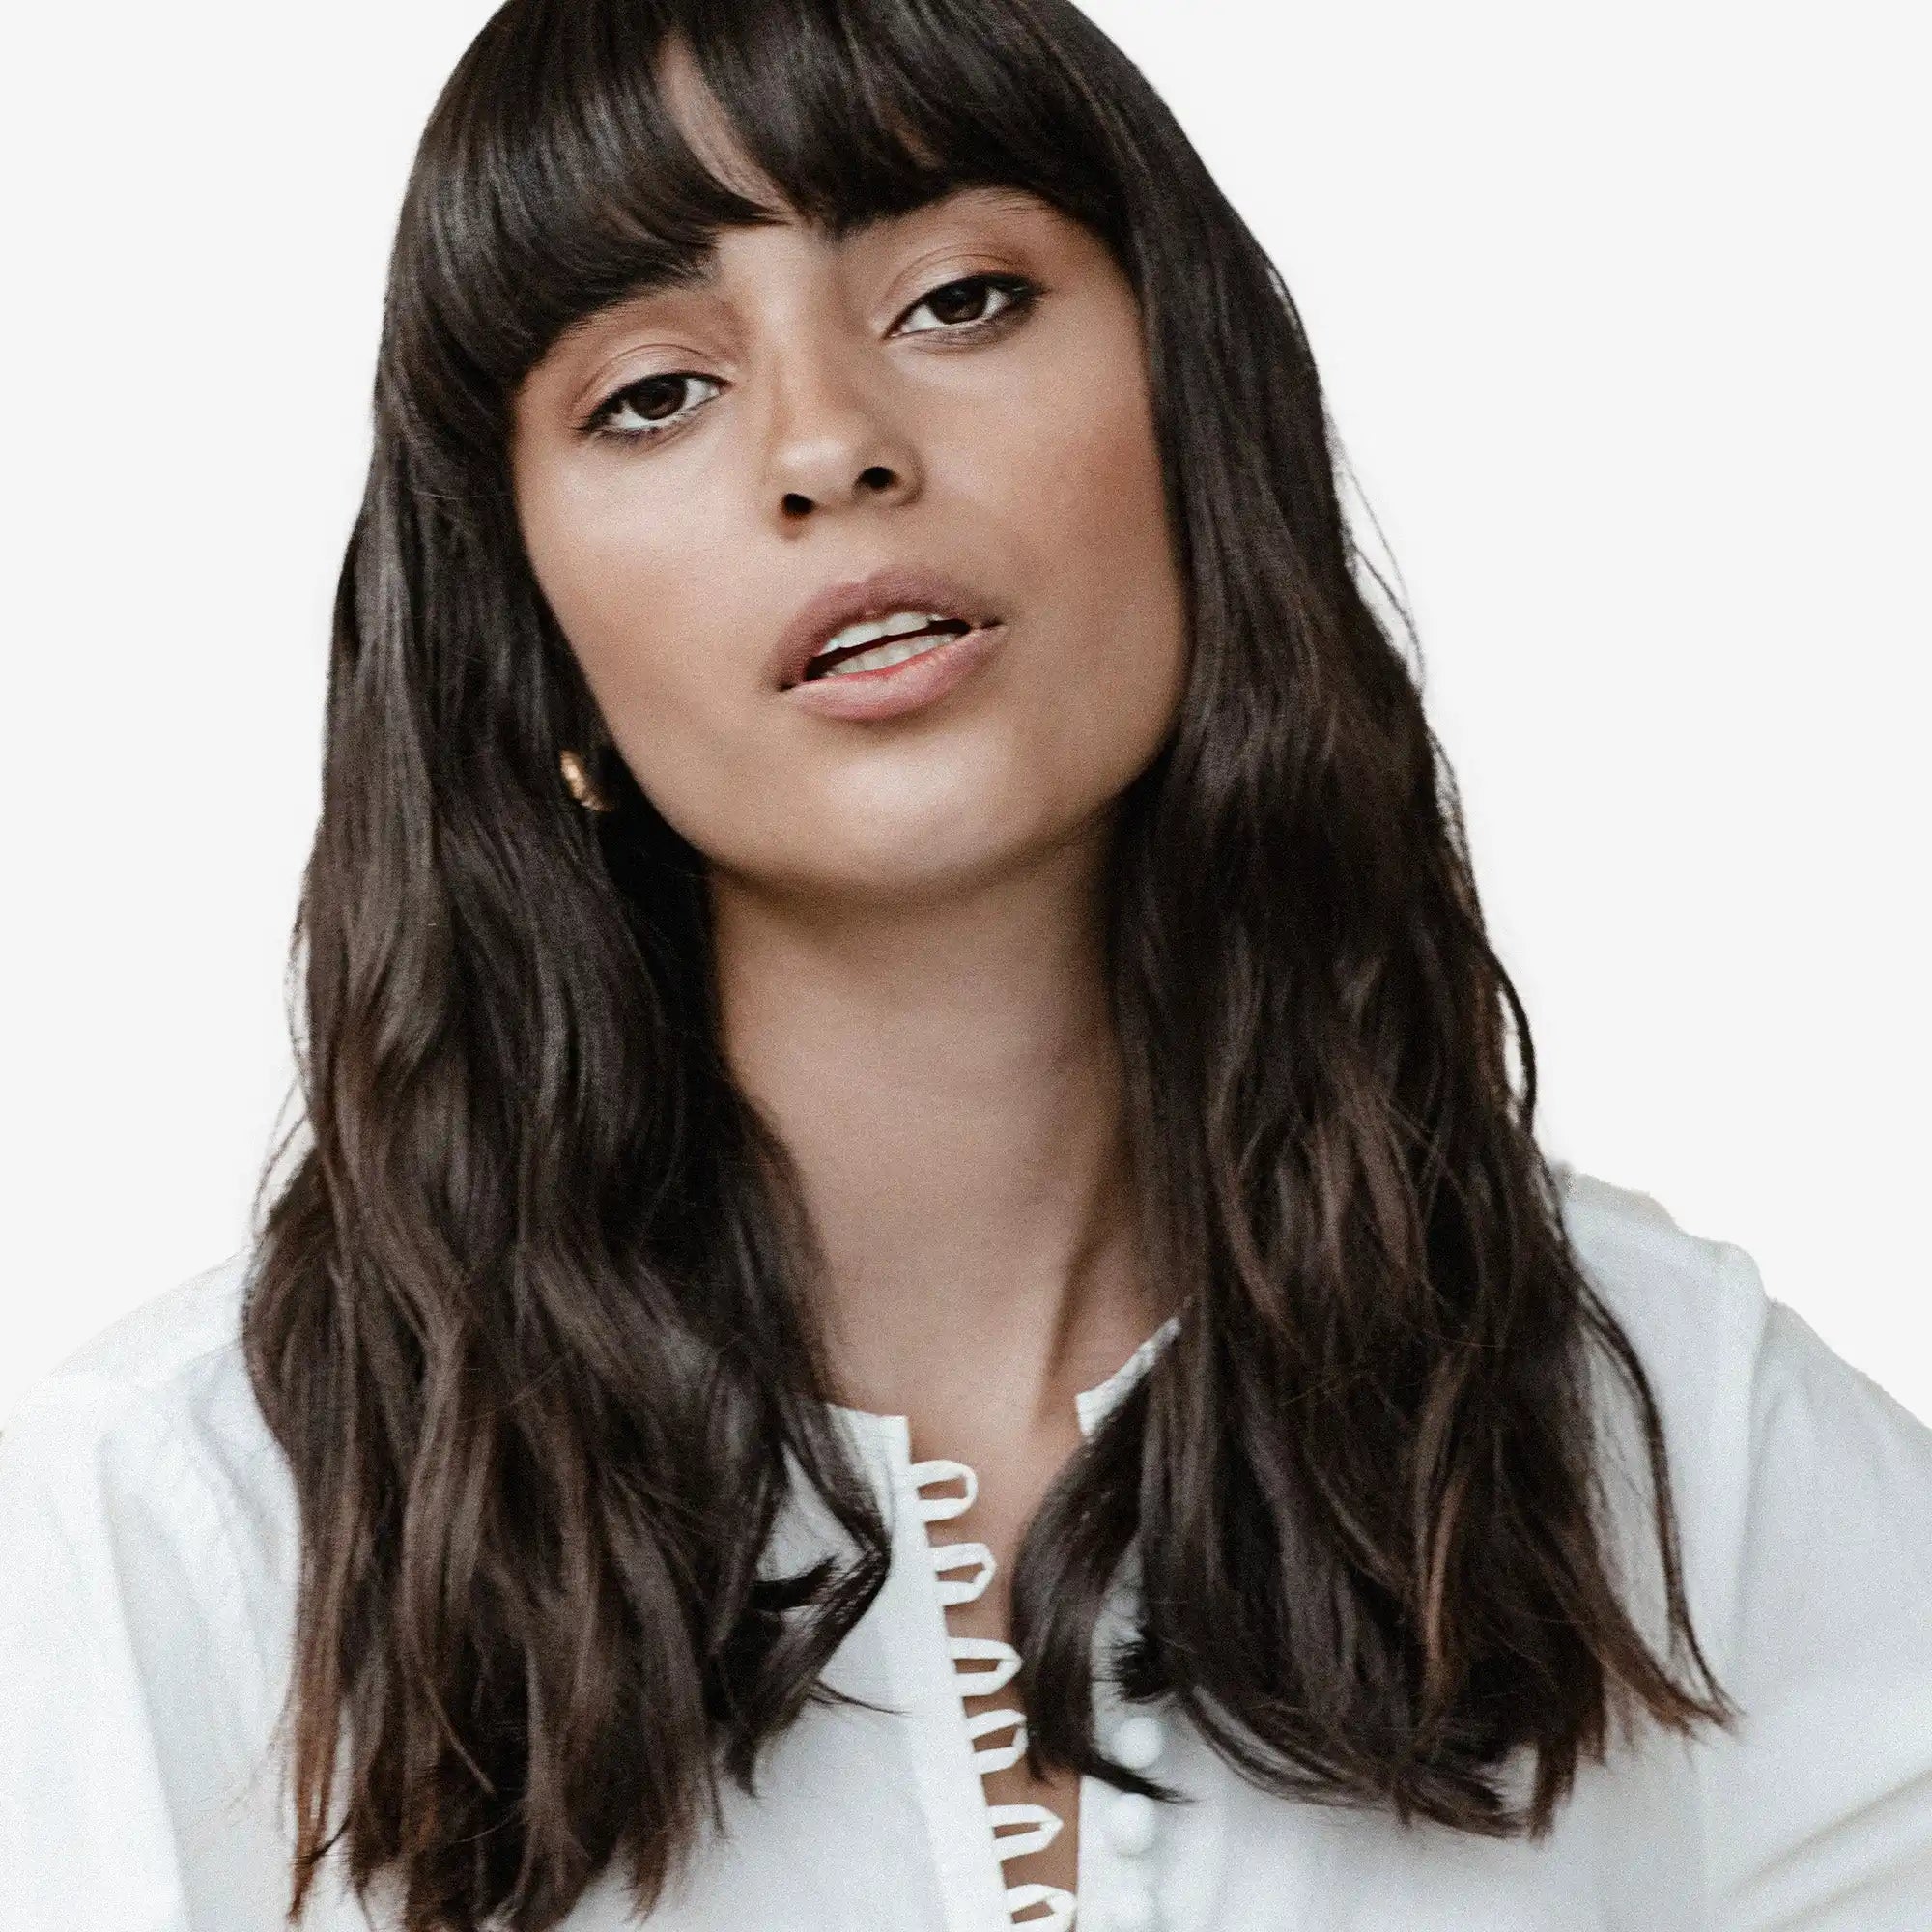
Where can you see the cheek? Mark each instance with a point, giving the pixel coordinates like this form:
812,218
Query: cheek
632,587
1111,648
606,568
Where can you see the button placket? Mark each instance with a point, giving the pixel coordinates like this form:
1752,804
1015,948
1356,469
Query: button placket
1118,1880
1137,1739
980,1666
1003,1663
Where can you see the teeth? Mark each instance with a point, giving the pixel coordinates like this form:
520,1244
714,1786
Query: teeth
869,628
886,654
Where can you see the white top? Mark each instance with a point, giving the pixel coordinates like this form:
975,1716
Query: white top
148,1538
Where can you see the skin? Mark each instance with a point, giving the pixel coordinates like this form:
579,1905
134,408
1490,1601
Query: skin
908,910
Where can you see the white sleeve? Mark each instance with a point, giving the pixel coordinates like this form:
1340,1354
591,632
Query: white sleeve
130,1679
1819,1807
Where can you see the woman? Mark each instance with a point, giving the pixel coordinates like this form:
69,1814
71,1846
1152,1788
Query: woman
920,1292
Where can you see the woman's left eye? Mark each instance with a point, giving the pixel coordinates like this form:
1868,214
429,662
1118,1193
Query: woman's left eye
958,304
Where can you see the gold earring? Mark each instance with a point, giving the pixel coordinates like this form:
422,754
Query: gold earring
578,779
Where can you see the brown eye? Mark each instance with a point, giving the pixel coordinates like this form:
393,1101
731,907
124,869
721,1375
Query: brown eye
648,407
656,396
961,306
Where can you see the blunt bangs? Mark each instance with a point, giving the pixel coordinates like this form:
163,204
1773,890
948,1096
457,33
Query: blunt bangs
555,179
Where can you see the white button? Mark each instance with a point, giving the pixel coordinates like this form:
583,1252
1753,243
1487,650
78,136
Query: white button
1138,1740
1131,1909
1132,1820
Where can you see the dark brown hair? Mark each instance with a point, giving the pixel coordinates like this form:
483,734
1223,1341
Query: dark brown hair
531,1311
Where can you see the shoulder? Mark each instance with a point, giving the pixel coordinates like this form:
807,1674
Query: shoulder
171,1364
1693,1309
1698,1313
141,1462
1685,1297
148,1527
1782,1455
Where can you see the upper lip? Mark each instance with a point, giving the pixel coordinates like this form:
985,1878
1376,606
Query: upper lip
900,587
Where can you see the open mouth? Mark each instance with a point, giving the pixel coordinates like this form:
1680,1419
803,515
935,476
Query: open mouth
856,660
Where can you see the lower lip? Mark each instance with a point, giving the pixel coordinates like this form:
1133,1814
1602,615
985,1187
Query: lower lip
907,686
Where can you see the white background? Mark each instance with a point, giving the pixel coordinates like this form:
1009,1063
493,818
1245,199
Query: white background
1622,313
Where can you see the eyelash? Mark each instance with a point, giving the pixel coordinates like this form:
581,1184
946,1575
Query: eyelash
1022,295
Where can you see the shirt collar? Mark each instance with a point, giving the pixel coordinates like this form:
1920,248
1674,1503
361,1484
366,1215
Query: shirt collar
1093,1404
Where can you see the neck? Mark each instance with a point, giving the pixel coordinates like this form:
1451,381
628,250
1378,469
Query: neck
946,1076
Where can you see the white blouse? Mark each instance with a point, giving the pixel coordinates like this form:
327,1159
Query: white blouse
149,1536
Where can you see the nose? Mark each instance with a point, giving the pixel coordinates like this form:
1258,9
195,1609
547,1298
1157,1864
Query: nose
836,437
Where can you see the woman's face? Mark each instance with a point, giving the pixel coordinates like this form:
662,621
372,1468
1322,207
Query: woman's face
820,412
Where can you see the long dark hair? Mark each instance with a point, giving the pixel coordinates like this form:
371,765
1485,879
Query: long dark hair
531,1314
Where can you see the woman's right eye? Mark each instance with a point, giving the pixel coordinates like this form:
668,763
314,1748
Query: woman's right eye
645,409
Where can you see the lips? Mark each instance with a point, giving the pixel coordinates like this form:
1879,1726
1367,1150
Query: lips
901,587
